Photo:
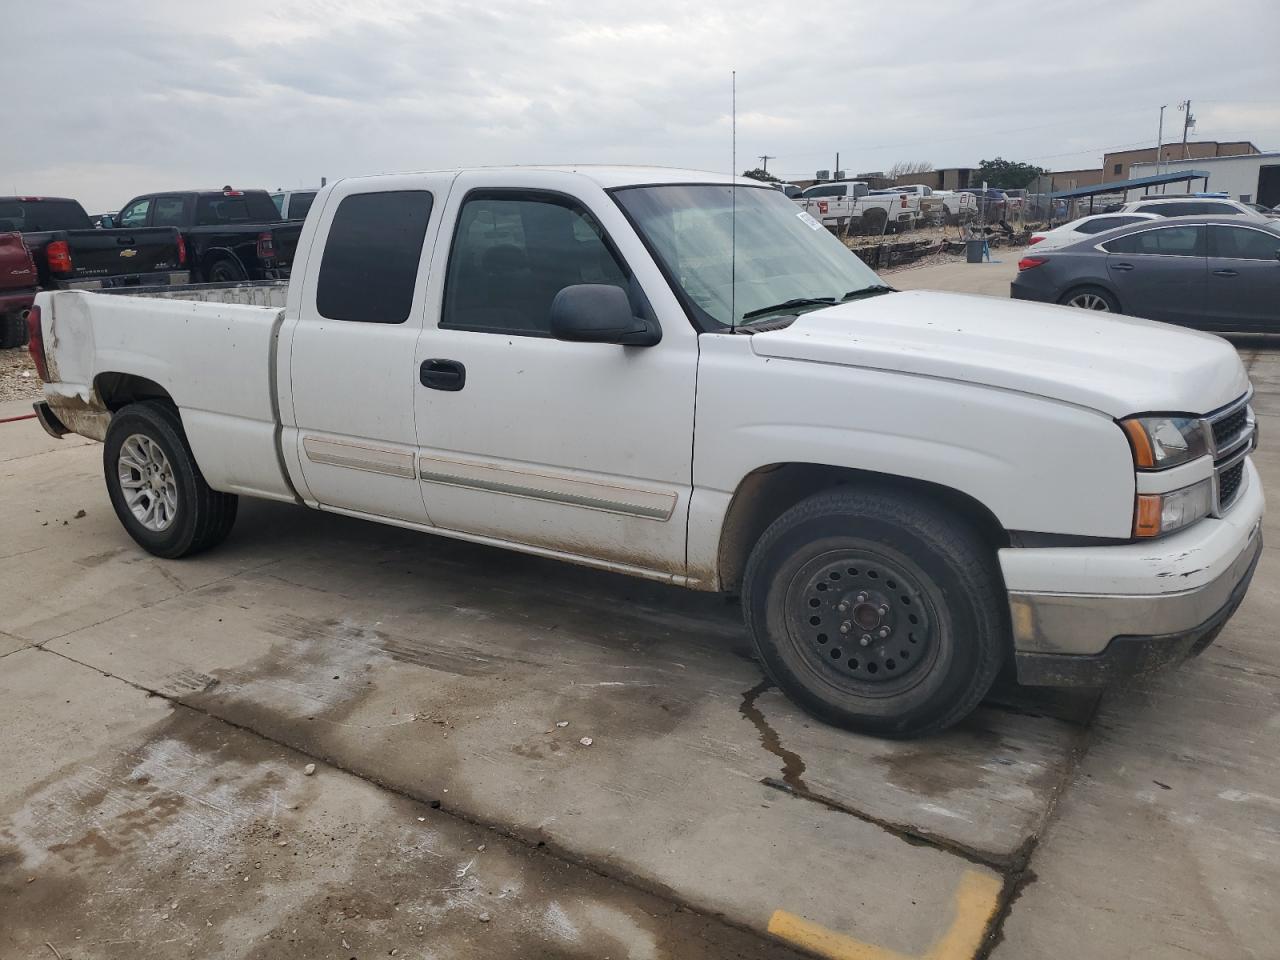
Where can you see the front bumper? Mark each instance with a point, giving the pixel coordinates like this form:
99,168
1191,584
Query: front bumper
1087,616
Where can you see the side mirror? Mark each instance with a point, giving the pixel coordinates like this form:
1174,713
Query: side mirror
106,222
600,313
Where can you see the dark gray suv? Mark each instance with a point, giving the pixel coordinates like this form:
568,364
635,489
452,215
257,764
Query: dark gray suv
1211,273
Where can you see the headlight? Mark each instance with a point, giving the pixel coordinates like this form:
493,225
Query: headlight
1160,442
1161,513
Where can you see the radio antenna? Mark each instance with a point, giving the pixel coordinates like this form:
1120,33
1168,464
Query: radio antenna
733,204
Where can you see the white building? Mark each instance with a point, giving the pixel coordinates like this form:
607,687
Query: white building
1250,178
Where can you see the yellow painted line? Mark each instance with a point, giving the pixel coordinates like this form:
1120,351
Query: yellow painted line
975,904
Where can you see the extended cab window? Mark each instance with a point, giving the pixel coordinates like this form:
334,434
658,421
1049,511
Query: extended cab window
235,207
513,252
370,264
299,204
1162,241
135,215
168,212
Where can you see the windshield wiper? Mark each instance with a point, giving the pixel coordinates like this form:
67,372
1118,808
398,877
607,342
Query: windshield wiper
870,291
788,304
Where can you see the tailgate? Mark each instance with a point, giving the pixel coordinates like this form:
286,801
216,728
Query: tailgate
17,270
284,240
122,252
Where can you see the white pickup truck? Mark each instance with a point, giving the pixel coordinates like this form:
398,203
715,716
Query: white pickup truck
908,489
850,206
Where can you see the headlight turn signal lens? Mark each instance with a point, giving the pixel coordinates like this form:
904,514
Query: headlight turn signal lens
1160,442
1156,514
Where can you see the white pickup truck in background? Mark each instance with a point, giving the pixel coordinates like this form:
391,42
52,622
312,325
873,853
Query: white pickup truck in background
908,489
850,206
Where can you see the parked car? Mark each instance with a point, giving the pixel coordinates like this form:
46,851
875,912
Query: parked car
849,206
1269,212
294,204
1211,273
1084,227
975,506
992,204
18,285
69,253
1190,207
789,190
231,235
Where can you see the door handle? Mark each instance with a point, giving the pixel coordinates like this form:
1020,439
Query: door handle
443,374
124,241
1226,273
1122,266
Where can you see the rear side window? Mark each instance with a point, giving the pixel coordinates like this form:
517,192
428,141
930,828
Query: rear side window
168,212
1103,224
1185,208
299,204
1240,243
370,264
249,207
1162,241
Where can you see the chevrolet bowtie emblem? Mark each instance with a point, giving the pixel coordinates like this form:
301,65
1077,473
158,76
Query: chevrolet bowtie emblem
128,253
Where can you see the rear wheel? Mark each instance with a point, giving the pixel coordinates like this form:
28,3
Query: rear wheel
1090,298
225,271
874,222
13,329
157,489
876,611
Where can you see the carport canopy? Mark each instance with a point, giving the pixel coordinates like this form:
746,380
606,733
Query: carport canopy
1139,183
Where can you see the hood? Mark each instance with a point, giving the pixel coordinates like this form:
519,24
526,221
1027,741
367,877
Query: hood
1117,365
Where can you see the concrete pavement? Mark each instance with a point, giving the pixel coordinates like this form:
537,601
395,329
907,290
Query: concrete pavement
431,678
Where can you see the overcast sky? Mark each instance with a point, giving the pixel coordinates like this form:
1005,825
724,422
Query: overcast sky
106,100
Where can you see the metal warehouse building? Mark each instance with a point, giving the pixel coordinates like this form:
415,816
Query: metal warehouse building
1250,178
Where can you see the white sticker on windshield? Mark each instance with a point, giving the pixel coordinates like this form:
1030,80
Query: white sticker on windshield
808,221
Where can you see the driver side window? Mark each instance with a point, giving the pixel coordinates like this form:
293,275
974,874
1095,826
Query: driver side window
513,252
135,215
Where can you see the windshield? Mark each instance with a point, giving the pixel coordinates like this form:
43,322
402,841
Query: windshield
782,253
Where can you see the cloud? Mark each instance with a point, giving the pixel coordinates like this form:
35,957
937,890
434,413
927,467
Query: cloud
107,101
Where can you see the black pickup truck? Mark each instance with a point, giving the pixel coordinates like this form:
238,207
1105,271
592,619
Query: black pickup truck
70,254
231,235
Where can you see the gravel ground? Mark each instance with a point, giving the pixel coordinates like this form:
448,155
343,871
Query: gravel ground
18,380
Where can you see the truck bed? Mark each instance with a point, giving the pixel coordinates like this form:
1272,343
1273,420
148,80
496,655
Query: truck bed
217,359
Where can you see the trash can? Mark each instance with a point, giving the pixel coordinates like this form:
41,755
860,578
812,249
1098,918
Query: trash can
973,250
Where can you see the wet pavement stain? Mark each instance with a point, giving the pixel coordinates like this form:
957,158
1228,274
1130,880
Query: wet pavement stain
792,764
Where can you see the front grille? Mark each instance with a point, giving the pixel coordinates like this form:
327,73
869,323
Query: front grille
1229,481
1233,436
1228,429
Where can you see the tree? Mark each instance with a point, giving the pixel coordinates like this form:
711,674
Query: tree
1006,174
760,174
906,168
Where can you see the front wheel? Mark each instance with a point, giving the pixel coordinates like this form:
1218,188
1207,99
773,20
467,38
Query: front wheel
156,487
876,611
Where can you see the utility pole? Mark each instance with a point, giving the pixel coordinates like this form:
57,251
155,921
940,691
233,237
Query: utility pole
836,172
1160,138
764,161
1188,121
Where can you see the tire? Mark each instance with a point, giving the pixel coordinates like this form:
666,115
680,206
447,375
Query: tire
187,516
1090,298
13,330
874,222
873,560
224,271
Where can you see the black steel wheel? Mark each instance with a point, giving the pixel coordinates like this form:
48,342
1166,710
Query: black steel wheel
863,615
877,610
225,271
